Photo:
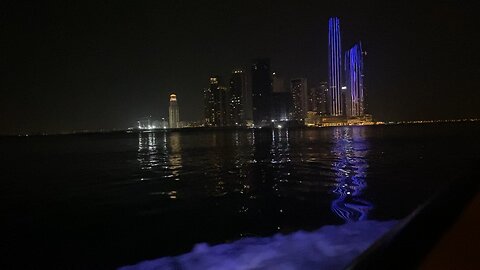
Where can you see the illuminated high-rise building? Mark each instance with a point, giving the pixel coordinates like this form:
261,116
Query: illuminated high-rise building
220,97
323,98
317,98
236,105
261,91
299,98
173,114
335,102
209,102
354,97
216,103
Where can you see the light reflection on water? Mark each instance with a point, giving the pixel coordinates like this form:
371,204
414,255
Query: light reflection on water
350,165
254,163
160,153
263,168
216,186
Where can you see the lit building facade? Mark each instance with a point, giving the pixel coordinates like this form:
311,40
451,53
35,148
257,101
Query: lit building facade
220,107
335,102
173,113
354,98
236,104
317,99
261,91
209,102
145,123
216,103
299,92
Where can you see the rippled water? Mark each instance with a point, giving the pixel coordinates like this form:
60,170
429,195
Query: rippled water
253,163
106,200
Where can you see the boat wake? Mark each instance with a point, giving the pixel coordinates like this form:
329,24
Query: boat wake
330,247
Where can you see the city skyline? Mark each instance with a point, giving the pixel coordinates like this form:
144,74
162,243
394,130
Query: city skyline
341,101
72,68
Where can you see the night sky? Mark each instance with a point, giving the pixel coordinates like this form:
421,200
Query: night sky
74,65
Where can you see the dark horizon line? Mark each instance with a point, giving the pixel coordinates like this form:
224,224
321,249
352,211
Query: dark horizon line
136,130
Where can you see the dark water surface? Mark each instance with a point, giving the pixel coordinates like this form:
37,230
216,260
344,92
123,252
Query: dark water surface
101,201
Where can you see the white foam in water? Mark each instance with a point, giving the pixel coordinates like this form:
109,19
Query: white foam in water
330,247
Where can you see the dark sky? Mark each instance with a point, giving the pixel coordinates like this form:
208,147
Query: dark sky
72,65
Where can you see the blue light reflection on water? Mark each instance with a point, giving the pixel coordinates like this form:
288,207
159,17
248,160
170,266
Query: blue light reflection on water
350,150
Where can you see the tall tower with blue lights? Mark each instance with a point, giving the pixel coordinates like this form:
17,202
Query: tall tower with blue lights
335,103
355,96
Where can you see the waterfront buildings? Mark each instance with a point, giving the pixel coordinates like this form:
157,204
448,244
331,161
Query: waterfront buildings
173,113
299,92
335,103
346,90
148,123
145,123
261,95
261,91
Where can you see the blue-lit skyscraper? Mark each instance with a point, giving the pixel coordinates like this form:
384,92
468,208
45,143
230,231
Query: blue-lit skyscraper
355,100
335,103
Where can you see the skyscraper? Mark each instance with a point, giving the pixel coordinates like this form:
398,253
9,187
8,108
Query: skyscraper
355,99
312,101
299,97
247,98
209,102
220,106
322,106
335,102
281,99
216,103
261,91
173,114
278,84
236,105
317,99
